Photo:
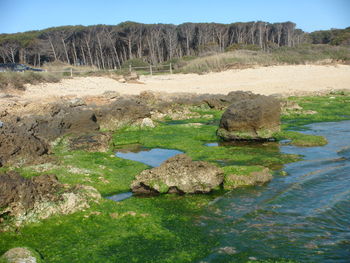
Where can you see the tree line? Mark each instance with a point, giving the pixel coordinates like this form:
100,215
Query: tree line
108,47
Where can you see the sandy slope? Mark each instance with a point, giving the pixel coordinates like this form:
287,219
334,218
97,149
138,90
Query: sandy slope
264,80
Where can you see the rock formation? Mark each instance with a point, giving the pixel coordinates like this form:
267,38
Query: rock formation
251,119
178,174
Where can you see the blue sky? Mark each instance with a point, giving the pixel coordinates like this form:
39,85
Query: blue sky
309,15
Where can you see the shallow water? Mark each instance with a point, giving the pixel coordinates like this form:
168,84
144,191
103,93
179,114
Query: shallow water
120,197
152,157
304,216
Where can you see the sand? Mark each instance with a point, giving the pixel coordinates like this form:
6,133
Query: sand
283,80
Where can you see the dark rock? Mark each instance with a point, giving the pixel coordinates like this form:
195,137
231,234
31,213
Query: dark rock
66,120
25,200
19,143
178,174
98,142
19,194
251,119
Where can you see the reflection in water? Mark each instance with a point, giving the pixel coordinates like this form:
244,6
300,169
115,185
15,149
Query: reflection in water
153,157
304,216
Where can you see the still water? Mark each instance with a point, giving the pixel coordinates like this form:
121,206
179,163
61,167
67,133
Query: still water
304,216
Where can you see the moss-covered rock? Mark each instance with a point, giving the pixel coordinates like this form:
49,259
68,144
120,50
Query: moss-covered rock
178,174
247,176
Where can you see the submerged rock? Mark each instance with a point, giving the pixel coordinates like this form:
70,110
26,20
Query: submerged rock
178,174
251,119
30,199
254,178
21,255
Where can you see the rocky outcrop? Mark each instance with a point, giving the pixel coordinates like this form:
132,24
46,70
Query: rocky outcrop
122,112
178,174
21,255
19,143
96,142
233,181
251,119
27,200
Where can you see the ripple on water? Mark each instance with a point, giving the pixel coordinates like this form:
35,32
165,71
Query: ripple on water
304,216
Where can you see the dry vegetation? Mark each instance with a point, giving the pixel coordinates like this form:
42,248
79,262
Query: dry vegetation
17,80
304,54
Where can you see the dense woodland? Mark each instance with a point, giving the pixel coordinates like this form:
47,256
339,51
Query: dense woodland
109,47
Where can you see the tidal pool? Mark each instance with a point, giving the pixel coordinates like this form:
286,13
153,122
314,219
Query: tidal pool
152,157
303,217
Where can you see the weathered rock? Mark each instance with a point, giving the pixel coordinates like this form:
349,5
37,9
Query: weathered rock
72,120
221,102
26,200
21,255
178,174
122,112
255,178
18,143
147,122
251,119
98,142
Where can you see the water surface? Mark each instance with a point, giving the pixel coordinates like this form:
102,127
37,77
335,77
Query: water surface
152,157
304,216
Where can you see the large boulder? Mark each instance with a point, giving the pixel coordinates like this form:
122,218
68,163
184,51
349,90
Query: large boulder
30,199
178,174
251,119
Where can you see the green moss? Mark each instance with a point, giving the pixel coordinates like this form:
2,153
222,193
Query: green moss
155,229
301,139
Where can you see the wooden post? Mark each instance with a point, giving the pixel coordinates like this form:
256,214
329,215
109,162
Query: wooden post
71,72
170,68
150,70
130,68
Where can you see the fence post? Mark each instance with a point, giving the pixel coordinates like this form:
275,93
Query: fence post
170,68
71,72
150,70
130,68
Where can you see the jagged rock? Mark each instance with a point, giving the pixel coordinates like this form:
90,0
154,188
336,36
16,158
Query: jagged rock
25,200
254,178
178,174
21,255
251,119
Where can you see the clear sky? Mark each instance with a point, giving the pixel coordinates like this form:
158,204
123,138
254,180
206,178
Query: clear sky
309,15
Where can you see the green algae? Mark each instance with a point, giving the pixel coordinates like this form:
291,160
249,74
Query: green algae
155,229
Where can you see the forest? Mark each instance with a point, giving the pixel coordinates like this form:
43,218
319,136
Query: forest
111,47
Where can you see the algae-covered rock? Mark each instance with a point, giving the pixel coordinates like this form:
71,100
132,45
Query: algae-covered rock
251,119
178,174
236,180
25,200
21,255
